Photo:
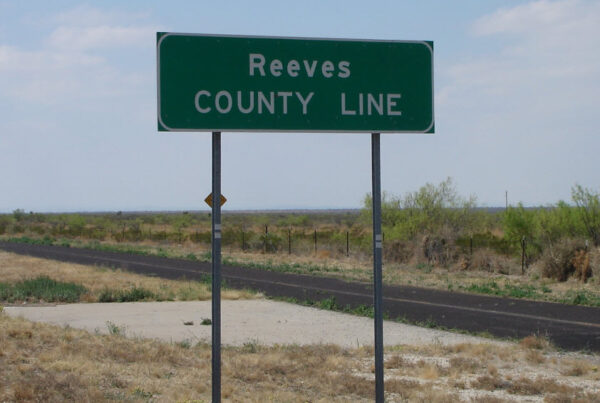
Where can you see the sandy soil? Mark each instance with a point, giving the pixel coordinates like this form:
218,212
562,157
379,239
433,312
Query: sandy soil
247,321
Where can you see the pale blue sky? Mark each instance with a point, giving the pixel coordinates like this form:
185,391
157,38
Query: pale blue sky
516,96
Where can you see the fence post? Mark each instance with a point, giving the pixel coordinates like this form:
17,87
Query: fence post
243,240
266,236
347,243
289,241
315,241
522,255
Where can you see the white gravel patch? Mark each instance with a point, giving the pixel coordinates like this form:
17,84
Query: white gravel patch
263,321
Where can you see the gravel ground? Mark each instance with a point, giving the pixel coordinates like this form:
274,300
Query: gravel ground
246,321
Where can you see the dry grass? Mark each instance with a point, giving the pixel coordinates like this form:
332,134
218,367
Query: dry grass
564,258
486,267
483,267
535,342
486,260
47,363
14,268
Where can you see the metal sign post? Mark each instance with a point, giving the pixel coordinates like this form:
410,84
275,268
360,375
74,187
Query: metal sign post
377,259
216,268
211,83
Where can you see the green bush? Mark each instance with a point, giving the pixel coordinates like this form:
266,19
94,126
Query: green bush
4,223
76,224
557,222
431,209
519,222
41,288
34,241
588,208
162,236
271,241
487,240
131,295
19,215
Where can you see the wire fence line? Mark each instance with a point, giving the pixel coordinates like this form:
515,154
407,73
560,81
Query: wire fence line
301,240
292,240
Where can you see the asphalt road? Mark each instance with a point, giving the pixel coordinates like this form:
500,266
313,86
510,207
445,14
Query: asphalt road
569,327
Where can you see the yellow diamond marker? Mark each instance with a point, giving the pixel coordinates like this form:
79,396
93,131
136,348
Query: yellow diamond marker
209,200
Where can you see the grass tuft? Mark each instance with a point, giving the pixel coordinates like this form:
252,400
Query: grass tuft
131,295
103,283
536,342
41,288
114,329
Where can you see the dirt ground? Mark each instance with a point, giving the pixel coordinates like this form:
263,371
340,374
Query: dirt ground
43,362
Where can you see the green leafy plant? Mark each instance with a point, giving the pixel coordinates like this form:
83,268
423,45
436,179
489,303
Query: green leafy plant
41,288
131,295
114,329
328,303
186,343
588,207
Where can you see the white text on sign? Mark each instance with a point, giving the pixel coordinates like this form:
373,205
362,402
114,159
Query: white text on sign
276,102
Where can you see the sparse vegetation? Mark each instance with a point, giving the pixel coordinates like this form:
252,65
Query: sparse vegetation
50,363
41,288
131,295
115,330
433,237
565,258
28,279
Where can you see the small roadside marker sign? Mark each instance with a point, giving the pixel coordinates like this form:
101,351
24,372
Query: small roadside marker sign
209,200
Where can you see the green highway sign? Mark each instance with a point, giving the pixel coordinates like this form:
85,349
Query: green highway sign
241,83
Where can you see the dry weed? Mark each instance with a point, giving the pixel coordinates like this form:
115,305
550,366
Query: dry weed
595,260
576,367
430,372
396,361
539,385
48,363
490,383
398,251
437,250
324,254
464,364
489,399
535,357
557,262
486,260
535,342
581,262
492,370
